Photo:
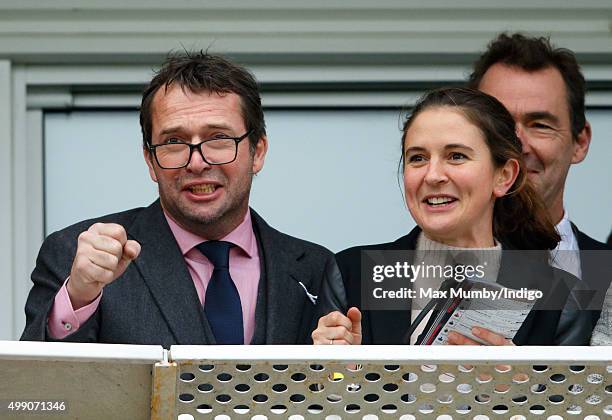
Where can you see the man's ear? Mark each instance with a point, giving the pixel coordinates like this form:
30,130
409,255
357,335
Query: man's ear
581,144
260,154
505,177
148,157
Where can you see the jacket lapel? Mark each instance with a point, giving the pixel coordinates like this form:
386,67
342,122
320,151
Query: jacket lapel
595,266
165,273
390,327
285,297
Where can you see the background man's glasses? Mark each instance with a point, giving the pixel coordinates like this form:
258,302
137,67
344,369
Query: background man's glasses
215,151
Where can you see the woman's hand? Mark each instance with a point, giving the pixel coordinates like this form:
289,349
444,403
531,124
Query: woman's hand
335,328
488,336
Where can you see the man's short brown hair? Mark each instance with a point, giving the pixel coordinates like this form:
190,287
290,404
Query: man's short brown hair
533,54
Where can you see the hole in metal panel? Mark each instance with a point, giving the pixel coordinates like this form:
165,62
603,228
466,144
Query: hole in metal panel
334,398
223,398
298,377
279,388
463,409
261,377
316,387
352,408
371,398
204,409
297,398
446,378
593,399
519,399
464,388
429,368
538,388
224,377
278,409
500,409
205,387
390,387
242,388
426,409
408,398
595,378
575,389
410,377
260,398
315,409
389,409
353,388
427,388
187,377
520,378
482,398
556,399
445,399
557,378
537,409
186,398
335,377
241,409
372,377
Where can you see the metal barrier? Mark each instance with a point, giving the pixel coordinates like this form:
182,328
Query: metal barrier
371,382
76,380
102,381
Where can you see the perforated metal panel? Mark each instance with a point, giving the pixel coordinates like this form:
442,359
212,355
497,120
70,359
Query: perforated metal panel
394,382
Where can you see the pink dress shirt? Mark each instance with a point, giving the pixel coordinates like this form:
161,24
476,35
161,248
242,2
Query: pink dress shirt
244,269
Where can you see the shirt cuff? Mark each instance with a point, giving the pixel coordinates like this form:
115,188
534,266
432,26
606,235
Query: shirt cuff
63,319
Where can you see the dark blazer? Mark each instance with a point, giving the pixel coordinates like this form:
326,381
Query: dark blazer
576,325
155,300
390,326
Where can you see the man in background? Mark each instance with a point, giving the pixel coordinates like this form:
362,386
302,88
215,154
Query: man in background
544,89
197,266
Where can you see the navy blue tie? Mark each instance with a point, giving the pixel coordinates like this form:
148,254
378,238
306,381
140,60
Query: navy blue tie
222,303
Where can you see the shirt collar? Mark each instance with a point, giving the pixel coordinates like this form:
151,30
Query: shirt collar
564,227
243,236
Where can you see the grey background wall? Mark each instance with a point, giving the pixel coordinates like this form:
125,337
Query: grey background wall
337,56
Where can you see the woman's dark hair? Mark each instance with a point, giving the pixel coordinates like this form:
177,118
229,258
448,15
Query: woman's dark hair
520,218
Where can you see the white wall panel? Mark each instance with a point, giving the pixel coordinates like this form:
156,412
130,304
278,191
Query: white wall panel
329,177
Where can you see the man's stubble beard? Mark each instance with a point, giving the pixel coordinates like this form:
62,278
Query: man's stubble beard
231,213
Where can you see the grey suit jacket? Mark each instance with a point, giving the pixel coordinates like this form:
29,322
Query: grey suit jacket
155,301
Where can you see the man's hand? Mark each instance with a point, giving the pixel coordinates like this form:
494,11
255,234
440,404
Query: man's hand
335,328
488,336
103,254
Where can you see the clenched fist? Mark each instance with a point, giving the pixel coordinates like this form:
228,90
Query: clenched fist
103,254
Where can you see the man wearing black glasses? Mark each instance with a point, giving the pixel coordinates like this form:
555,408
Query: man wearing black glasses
197,266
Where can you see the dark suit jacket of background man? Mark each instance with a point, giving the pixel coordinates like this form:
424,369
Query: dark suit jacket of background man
390,326
155,301
575,328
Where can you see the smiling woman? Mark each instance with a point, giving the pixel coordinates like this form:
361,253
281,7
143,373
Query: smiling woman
464,177
466,186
